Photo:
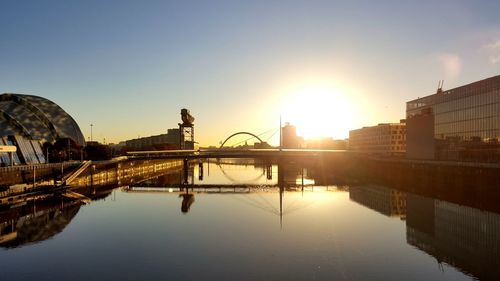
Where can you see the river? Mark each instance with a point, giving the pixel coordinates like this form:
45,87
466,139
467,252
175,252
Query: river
242,220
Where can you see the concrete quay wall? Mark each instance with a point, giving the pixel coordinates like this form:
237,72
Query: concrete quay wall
27,173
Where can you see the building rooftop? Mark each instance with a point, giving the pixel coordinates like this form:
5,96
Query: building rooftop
36,118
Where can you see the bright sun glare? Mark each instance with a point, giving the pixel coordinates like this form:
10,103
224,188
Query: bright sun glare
319,112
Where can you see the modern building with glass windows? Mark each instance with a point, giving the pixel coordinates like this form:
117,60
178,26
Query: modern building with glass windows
33,124
460,124
383,139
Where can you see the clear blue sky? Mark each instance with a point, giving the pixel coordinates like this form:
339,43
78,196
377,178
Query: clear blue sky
128,67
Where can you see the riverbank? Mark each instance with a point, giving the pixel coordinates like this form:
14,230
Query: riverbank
27,174
46,181
473,184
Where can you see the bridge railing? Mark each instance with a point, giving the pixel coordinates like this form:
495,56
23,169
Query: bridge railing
237,153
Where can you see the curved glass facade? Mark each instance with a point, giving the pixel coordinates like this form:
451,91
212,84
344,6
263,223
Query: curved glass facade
37,118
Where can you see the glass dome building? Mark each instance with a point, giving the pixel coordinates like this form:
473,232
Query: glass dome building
37,118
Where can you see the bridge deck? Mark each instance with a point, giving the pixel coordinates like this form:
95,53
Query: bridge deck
230,153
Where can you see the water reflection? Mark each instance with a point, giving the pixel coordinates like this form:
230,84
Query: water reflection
236,176
387,201
187,201
240,173
463,237
35,222
282,218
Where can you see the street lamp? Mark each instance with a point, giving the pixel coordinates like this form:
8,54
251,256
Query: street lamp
91,125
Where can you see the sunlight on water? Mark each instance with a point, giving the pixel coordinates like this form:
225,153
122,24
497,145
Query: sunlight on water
330,232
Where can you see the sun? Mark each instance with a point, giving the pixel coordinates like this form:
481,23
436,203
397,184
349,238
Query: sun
319,111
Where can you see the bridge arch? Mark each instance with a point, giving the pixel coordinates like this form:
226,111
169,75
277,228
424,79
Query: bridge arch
240,133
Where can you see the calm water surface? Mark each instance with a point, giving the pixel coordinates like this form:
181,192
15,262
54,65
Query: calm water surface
250,229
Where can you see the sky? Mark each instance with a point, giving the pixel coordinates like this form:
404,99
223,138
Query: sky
128,67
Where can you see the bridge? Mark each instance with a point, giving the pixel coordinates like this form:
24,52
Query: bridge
234,153
226,152
241,133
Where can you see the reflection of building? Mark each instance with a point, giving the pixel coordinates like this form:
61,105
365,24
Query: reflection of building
386,138
387,201
464,237
459,124
290,138
170,140
31,224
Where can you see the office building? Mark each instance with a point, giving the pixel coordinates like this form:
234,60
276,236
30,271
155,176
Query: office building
460,124
290,138
383,139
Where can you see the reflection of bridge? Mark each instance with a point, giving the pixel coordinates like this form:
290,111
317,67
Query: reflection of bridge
201,188
251,195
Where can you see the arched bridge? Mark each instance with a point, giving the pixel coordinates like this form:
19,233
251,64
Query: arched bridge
240,133
237,153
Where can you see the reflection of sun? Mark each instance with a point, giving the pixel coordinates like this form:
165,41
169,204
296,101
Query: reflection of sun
319,112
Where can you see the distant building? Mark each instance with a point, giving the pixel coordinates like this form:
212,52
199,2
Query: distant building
262,145
290,138
461,124
170,140
385,139
326,143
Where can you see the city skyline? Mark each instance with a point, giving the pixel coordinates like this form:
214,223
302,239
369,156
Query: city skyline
128,68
